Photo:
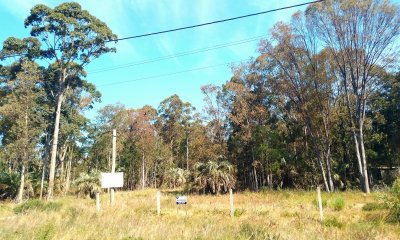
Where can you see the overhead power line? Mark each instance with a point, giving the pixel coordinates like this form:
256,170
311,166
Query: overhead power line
195,26
168,74
181,54
215,22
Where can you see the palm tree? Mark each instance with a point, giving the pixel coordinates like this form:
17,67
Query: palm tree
88,184
175,177
214,176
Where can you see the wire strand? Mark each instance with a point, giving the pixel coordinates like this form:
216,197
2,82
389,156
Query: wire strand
192,26
169,74
181,54
218,21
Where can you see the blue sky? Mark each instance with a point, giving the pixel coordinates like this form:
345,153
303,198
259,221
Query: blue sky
134,17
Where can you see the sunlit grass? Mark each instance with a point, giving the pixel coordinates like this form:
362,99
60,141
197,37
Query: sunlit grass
264,215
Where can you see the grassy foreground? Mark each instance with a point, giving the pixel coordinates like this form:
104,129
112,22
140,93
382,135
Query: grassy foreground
265,215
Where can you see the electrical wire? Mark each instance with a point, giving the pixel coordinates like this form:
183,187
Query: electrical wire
215,22
181,54
194,26
168,74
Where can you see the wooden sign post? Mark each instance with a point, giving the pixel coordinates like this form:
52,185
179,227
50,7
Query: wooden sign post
232,209
181,200
321,215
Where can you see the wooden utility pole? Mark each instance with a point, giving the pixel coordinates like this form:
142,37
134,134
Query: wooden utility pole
114,153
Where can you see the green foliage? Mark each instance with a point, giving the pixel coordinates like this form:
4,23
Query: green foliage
239,212
9,184
214,177
37,205
393,202
333,222
87,184
176,177
338,204
372,206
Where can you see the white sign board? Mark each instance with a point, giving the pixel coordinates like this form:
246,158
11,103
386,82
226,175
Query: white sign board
112,180
181,200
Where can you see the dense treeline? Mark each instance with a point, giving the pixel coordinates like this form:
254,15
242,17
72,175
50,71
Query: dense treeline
319,105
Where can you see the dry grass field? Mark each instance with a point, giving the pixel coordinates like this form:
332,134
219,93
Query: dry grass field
264,215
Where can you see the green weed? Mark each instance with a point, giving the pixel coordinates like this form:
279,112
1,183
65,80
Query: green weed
37,205
239,212
338,204
46,232
333,222
373,206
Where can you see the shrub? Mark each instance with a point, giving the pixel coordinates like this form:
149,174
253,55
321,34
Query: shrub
9,184
393,202
37,205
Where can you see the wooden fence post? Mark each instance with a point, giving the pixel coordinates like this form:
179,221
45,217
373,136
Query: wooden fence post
158,203
98,202
232,210
321,215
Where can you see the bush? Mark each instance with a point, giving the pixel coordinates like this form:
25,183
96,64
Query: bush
37,205
338,204
9,184
373,207
393,202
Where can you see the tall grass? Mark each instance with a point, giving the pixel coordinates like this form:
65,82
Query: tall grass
266,215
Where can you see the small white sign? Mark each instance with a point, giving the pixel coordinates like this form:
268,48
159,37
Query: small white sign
112,180
181,200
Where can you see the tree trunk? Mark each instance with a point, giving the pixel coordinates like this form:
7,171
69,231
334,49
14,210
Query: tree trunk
255,178
187,153
317,151
364,163
67,180
62,154
54,145
143,177
22,184
329,169
43,176
44,167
